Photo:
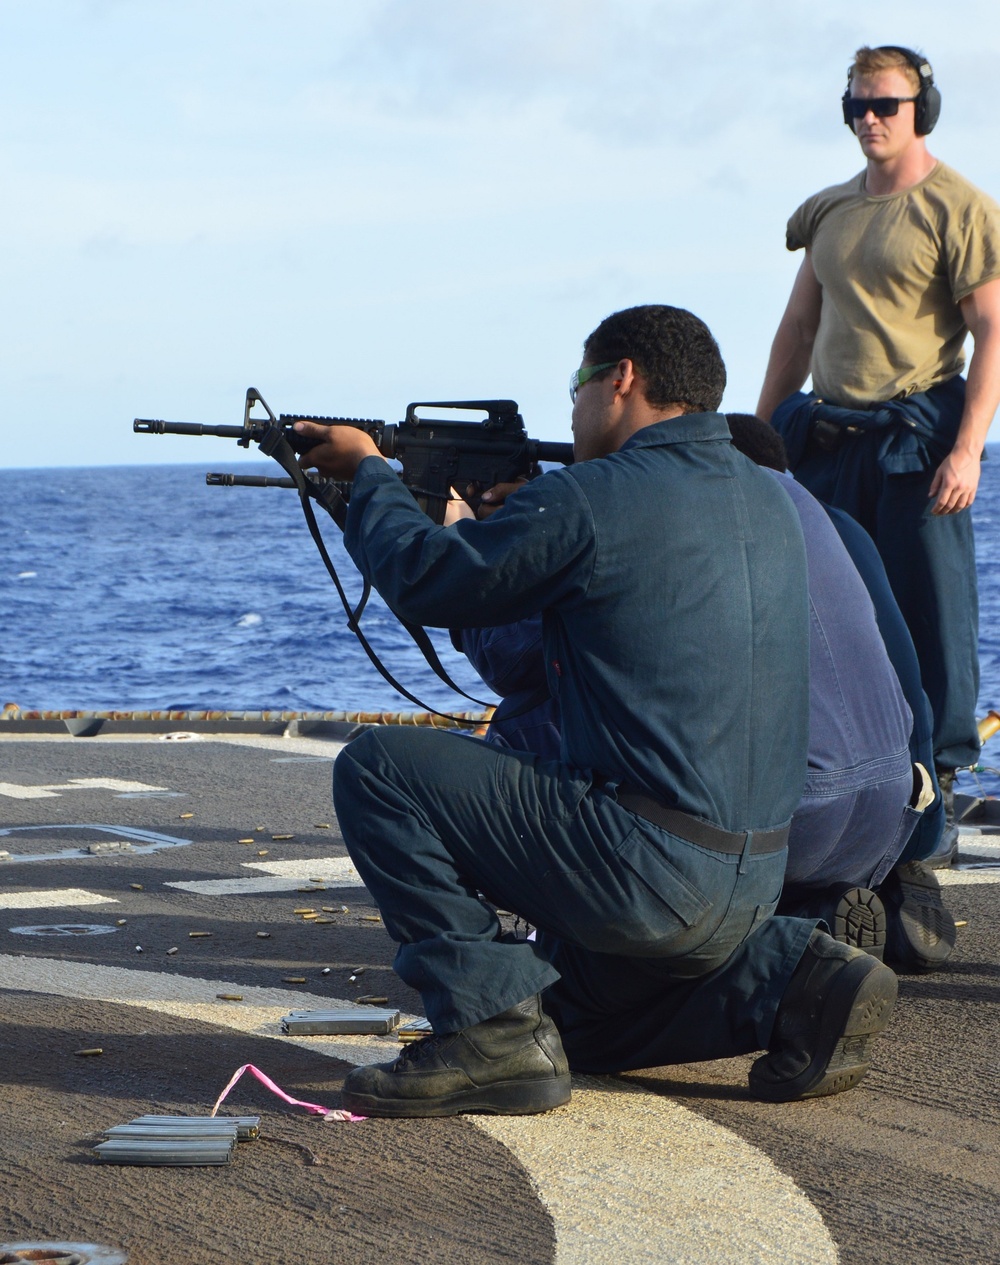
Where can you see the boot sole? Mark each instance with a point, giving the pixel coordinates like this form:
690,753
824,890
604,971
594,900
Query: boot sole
859,920
505,1098
926,933
858,1009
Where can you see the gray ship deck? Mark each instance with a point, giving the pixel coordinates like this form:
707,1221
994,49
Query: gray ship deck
123,844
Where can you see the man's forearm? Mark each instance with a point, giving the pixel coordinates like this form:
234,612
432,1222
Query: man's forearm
982,393
956,480
981,310
787,370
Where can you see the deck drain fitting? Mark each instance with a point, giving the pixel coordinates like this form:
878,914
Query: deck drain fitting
62,1253
64,929
55,1254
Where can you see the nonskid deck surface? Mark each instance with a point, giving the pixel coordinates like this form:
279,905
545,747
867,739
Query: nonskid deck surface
135,843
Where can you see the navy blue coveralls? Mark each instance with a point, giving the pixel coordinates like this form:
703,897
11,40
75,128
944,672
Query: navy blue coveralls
927,833
676,640
853,821
880,473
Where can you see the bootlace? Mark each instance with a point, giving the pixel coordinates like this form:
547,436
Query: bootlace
419,1051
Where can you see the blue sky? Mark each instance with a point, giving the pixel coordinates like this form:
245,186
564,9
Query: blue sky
354,205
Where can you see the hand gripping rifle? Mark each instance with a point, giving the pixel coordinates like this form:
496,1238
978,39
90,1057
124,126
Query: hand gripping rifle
436,455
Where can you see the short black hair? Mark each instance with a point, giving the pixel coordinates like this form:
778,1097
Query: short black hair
674,352
757,440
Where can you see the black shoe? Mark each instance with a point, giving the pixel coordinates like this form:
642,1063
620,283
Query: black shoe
512,1064
854,915
945,854
921,933
837,1000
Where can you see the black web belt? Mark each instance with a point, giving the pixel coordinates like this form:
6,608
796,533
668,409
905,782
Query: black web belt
692,829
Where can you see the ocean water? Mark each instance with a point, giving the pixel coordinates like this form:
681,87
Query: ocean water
141,587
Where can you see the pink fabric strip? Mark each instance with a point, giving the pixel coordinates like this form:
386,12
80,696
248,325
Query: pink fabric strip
265,1080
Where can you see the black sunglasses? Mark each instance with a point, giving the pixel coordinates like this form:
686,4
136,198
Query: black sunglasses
881,107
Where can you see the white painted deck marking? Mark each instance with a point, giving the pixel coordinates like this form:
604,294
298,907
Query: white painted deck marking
626,1175
14,790
147,841
260,1013
964,878
975,849
65,929
286,876
247,886
978,846
335,867
151,795
629,1176
53,900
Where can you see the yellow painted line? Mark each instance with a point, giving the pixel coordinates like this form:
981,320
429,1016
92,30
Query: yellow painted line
626,1175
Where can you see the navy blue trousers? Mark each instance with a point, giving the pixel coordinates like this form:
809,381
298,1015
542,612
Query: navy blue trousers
654,950
931,565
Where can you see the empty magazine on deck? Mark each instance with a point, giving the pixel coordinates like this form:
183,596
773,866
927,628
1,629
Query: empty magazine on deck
176,1140
217,1149
247,1127
368,1021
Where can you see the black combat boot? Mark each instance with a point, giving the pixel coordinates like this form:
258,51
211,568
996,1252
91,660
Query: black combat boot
512,1064
837,1000
853,915
921,931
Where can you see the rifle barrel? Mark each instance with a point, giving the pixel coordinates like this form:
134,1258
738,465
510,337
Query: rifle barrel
219,480
153,426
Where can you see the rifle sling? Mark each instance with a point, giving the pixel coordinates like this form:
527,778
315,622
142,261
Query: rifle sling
275,444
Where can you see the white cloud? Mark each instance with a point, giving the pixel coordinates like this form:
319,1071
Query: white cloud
353,205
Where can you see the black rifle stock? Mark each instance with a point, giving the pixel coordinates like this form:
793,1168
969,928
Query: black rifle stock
436,454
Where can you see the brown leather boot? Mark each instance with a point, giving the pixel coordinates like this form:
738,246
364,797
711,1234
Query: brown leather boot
512,1064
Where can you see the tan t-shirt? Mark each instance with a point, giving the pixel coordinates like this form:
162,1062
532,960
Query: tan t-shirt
893,269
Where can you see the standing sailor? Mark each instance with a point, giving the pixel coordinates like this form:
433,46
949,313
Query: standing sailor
901,262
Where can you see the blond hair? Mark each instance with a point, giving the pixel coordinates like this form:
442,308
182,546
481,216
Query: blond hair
872,61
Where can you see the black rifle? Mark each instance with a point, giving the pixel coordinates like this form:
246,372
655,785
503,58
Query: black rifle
435,454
